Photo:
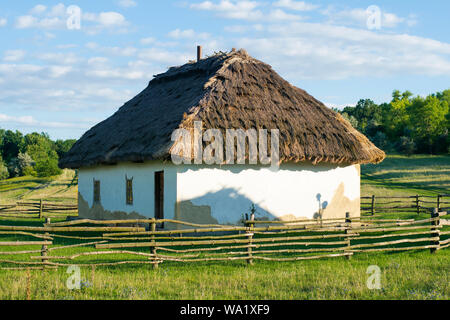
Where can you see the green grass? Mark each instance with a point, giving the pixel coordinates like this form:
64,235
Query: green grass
62,188
401,175
412,275
406,275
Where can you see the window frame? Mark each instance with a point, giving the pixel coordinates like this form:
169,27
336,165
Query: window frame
129,198
96,191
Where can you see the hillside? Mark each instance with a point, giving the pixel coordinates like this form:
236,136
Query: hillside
62,188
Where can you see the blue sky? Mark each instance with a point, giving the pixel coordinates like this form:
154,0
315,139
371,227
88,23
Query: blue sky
63,81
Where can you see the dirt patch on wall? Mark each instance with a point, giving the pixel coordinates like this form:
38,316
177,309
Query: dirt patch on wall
340,204
97,212
187,211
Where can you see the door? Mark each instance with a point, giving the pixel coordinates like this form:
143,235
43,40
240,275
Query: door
159,196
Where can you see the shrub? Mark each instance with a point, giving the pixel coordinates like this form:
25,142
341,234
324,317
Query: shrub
380,140
4,174
29,171
406,145
13,168
47,168
24,161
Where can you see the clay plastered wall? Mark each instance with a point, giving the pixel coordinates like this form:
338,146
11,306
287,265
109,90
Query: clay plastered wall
113,191
295,191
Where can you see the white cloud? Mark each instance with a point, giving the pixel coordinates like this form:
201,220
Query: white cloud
114,51
111,19
148,40
157,55
56,18
106,19
66,46
187,34
3,22
127,3
323,51
38,9
280,15
232,9
59,71
28,21
22,120
14,55
59,58
359,16
31,121
295,5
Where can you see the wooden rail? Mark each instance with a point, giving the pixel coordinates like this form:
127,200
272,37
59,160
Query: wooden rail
38,209
370,205
270,241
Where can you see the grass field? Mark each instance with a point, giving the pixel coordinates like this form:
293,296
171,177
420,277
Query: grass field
408,275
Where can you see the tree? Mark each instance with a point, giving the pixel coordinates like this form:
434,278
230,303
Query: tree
63,146
380,140
428,118
12,143
396,117
48,167
24,163
406,145
353,121
43,152
4,174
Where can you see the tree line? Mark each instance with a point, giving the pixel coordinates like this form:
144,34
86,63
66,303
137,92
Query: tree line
33,154
406,124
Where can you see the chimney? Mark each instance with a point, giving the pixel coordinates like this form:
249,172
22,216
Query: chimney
199,53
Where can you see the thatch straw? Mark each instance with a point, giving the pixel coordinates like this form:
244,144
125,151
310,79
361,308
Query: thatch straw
225,91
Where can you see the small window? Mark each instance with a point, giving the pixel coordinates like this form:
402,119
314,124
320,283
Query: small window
129,194
96,191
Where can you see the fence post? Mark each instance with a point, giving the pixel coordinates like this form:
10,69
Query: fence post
153,249
44,249
41,207
250,237
439,202
348,233
373,204
435,233
417,204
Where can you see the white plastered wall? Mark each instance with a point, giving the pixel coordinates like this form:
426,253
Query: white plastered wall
113,187
294,191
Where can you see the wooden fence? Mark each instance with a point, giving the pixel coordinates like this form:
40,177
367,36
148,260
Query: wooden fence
118,242
38,209
415,204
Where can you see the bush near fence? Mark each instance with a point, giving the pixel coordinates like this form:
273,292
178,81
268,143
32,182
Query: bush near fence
118,242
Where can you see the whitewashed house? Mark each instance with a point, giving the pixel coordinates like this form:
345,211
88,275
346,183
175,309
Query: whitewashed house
126,171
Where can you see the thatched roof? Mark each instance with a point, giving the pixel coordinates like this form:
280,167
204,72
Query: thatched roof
225,91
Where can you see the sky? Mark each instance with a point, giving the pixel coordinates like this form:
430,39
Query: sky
65,66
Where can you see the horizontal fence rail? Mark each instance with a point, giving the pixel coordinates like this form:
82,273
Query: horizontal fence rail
117,242
371,205
38,209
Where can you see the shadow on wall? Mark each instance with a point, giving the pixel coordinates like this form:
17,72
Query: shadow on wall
235,205
322,206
